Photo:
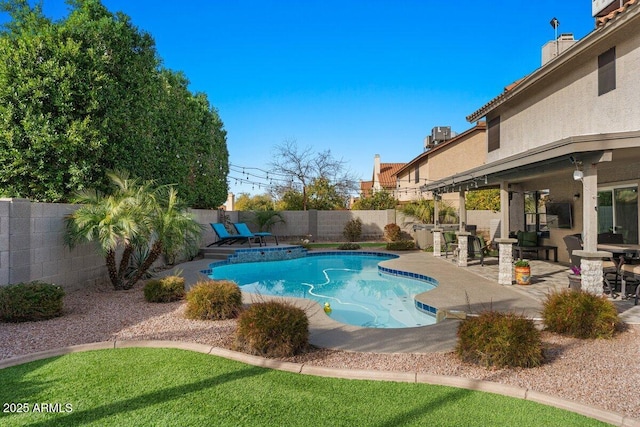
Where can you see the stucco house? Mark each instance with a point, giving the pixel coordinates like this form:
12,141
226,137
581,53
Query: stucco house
563,143
449,157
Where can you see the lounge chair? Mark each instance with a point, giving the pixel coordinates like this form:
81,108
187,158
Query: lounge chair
225,237
243,230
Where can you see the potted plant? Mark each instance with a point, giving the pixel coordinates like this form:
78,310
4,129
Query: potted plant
575,279
523,272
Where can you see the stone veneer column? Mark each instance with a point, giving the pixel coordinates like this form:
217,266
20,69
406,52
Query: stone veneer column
591,270
505,265
437,241
463,251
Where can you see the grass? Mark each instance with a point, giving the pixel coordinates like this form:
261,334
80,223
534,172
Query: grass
144,386
334,245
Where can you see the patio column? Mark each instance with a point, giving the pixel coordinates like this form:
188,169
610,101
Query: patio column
462,209
463,248
504,209
591,270
505,264
437,242
516,207
436,210
589,208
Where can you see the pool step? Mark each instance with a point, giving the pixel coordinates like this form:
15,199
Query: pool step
218,252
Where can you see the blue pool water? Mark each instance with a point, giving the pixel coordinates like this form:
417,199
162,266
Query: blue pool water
357,292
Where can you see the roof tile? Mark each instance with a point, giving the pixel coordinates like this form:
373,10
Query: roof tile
388,174
602,20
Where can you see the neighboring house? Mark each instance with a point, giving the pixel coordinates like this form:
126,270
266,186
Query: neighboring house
563,143
384,178
444,159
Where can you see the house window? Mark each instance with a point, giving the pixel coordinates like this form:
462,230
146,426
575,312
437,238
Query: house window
535,212
618,212
607,71
417,175
493,137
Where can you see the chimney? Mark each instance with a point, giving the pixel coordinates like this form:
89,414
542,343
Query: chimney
554,48
230,204
376,173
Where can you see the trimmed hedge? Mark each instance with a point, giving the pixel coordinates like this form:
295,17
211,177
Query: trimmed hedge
580,314
214,300
166,289
401,245
501,340
272,329
25,302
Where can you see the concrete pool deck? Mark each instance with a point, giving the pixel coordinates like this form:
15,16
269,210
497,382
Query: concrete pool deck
461,289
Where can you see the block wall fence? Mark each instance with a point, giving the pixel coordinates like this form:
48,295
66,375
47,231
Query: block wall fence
32,238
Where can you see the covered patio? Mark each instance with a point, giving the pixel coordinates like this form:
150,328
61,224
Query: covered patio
585,186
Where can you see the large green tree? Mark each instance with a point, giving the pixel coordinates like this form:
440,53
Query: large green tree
487,199
86,94
379,200
258,202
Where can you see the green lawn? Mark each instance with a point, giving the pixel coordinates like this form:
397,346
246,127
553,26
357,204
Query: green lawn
334,245
169,387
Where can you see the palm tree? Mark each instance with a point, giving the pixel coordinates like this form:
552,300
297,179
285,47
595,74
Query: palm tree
423,210
171,228
267,219
135,215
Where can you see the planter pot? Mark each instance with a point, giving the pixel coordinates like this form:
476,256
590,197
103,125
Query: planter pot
575,282
523,275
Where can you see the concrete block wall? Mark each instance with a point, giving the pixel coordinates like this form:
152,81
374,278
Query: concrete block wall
32,239
33,248
4,241
331,223
313,225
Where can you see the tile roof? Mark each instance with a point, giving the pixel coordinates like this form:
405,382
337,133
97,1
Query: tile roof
388,174
486,107
602,20
365,187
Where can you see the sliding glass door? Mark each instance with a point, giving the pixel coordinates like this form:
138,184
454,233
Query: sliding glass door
618,212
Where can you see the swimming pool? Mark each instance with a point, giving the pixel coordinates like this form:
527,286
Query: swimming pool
357,291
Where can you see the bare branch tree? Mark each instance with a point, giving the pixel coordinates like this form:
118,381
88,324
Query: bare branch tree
302,167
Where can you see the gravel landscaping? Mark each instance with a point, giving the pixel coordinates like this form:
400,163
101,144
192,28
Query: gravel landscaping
602,373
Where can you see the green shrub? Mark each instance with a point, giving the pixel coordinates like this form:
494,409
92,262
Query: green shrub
353,230
214,300
500,340
401,245
272,329
25,302
166,289
349,247
580,314
392,232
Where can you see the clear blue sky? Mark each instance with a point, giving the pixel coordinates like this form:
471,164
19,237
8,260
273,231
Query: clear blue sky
357,77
